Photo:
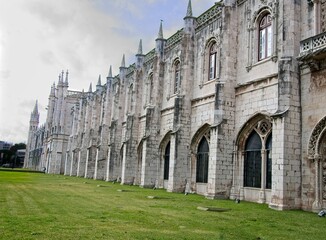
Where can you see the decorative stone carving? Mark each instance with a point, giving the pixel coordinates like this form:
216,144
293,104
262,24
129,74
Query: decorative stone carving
318,82
314,138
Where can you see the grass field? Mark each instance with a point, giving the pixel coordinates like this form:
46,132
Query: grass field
41,206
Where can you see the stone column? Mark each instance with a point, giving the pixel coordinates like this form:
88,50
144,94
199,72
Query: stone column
72,162
317,204
241,174
262,196
109,166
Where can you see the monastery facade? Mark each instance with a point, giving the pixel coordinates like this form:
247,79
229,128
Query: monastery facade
231,106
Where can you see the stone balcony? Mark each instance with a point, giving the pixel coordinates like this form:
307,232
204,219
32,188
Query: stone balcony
313,50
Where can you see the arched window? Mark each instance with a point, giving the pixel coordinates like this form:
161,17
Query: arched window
166,162
212,61
177,77
265,37
252,161
202,161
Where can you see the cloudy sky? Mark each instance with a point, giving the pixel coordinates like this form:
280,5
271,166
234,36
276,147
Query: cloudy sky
40,38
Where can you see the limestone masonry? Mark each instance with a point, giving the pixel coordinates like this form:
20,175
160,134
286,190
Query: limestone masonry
231,106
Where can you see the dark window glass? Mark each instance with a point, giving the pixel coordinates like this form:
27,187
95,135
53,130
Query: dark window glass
252,161
269,162
202,161
167,162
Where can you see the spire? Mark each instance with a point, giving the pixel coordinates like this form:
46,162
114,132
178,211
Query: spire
62,74
109,78
189,9
140,48
90,88
35,110
110,72
99,80
123,62
99,85
160,32
59,81
160,42
66,81
35,116
52,93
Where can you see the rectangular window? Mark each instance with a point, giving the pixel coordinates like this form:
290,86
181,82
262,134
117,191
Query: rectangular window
252,174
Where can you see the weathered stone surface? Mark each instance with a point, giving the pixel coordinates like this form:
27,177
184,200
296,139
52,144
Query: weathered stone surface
204,84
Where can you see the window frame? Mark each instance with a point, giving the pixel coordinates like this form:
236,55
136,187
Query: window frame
202,161
212,65
262,170
265,37
176,76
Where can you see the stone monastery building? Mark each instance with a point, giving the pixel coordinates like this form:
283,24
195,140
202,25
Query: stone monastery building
230,106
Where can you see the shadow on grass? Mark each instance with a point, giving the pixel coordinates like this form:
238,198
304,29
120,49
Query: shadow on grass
19,170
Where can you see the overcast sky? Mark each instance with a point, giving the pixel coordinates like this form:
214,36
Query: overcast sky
40,38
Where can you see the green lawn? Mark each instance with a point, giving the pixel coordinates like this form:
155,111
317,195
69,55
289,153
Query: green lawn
41,206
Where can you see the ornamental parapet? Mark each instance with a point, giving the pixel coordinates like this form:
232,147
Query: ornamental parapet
313,47
212,13
149,56
174,39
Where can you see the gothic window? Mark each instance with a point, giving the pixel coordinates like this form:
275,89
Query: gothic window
252,162
202,161
265,37
177,77
166,162
256,153
212,61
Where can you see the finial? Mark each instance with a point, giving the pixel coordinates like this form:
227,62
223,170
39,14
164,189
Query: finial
35,110
160,32
123,63
99,81
90,88
189,9
110,72
140,48
52,93
67,77
59,81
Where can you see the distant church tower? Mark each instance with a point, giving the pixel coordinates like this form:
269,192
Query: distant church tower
33,126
